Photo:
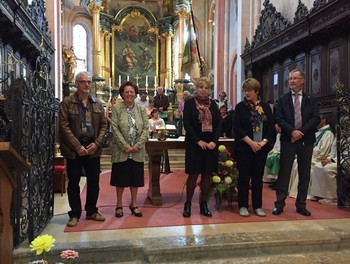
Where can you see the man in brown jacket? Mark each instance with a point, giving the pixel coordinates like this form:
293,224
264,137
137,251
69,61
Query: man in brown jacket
82,127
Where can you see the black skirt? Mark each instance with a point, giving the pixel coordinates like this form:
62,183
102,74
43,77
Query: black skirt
128,173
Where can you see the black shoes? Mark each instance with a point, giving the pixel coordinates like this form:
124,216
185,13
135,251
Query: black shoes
277,210
133,209
303,211
119,212
204,209
187,209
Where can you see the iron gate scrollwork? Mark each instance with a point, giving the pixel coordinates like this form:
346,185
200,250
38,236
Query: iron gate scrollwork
343,145
30,105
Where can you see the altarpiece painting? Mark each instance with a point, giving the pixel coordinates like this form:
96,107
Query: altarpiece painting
135,48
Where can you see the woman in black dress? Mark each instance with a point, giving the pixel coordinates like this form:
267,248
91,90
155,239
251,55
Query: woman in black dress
254,130
202,125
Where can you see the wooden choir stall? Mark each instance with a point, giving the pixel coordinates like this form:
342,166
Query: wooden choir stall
10,161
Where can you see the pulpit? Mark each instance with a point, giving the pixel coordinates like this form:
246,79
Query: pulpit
10,161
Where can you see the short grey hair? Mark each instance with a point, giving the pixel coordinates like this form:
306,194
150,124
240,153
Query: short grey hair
82,73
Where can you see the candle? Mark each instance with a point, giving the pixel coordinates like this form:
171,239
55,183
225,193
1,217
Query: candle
155,81
120,80
166,83
127,78
146,81
110,82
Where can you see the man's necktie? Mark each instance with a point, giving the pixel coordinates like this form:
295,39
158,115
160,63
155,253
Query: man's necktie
297,112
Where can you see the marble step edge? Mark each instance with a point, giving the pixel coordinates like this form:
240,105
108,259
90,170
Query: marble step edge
198,247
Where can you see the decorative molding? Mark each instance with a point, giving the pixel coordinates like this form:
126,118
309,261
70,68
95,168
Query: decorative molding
301,12
271,24
298,36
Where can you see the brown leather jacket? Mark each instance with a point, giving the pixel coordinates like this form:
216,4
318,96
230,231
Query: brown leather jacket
70,125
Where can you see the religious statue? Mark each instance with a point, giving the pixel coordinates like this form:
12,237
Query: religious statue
70,62
129,57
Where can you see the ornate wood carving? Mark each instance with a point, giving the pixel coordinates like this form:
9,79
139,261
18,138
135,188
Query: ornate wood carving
271,24
301,12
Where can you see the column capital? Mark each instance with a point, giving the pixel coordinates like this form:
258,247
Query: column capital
183,14
95,8
167,35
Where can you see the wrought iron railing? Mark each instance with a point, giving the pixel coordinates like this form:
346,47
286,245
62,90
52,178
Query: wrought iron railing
31,109
343,146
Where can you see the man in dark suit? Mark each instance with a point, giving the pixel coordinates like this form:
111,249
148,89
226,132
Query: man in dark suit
297,139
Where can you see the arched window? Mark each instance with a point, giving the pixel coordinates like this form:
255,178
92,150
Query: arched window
80,47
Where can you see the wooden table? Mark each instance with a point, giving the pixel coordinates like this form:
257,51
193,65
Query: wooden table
155,150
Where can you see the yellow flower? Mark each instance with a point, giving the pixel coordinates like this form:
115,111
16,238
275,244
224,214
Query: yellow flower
216,179
229,163
222,148
42,243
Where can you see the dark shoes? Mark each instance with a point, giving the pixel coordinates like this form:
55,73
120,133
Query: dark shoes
135,211
187,209
119,211
204,209
303,211
277,210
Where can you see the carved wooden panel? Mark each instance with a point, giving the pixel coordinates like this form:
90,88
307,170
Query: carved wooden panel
287,67
265,85
315,74
334,67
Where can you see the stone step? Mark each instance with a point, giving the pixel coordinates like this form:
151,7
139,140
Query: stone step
280,245
176,159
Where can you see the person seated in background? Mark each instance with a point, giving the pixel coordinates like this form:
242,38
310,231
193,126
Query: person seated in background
155,123
226,122
142,100
161,102
150,107
185,96
223,101
323,177
322,147
272,165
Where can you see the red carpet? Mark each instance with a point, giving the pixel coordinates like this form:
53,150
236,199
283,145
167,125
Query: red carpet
170,213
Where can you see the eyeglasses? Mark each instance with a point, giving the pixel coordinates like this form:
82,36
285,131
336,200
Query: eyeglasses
83,81
295,78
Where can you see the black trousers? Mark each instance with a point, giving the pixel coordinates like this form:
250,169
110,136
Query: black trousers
92,170
251,170
288,153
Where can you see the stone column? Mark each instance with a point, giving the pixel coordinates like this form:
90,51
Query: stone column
95,10
183,16
107,59
168,73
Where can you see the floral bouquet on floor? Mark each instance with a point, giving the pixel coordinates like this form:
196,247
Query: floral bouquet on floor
224,183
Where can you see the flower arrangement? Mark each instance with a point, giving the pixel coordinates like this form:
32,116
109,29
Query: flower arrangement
224,183
44,243
162,134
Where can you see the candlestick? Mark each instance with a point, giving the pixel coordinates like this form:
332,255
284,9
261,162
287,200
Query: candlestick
120,80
